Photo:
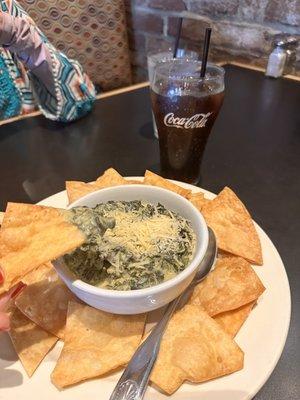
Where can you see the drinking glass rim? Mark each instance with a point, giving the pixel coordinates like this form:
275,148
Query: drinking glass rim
220,70
153,53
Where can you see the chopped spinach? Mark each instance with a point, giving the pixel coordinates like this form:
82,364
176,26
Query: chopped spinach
131,245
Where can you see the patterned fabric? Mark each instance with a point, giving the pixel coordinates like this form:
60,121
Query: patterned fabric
59,86
10,100
17,73
75,94
92,32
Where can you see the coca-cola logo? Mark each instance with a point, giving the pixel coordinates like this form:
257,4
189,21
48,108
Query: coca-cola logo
196,121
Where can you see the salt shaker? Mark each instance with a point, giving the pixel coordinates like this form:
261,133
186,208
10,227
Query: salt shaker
283,56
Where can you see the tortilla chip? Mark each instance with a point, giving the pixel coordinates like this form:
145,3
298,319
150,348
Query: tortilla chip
1,217
133,182
198,200
96,342
224,254
76,190
194,348
30,341
32,235
232,284
156,180
232,321
37,274
111,178
233,226
45,302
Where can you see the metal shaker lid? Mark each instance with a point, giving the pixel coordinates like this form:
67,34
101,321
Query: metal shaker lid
285,41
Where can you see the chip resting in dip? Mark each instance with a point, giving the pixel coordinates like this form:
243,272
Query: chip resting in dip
131,245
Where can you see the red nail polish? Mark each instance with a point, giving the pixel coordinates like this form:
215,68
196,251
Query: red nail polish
20,287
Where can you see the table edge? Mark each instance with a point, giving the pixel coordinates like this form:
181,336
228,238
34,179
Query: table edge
141,85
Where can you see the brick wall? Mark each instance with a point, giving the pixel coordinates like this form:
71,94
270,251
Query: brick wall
243,30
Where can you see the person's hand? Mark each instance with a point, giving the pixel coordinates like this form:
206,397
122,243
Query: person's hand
4,300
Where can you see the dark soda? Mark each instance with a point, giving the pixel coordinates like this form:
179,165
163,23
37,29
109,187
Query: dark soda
184,123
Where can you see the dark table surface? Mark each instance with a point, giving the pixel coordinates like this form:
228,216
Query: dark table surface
254,148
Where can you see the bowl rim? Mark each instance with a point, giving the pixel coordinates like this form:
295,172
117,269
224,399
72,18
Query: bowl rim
181,276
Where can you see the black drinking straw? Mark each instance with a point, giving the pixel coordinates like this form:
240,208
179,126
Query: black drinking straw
205,52
177,37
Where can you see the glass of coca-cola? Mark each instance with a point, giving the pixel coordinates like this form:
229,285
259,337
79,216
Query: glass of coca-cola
185,108
157,57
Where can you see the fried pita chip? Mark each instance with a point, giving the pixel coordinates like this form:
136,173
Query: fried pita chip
232,284
233,226
1,217
198,200
96,342
45,302
30,341
37,274
194,348
111,177
156,180
223,254
76,190
133,182
232,321
32,235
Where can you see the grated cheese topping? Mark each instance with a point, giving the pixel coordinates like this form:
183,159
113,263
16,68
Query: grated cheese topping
141,235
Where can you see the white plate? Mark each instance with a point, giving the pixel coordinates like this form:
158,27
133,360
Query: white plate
262,338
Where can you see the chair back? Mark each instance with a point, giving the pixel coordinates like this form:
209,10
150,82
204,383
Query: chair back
94,33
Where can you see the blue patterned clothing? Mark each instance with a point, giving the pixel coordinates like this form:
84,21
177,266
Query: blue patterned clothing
33,73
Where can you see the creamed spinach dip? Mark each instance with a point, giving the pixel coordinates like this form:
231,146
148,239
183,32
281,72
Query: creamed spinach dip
131,245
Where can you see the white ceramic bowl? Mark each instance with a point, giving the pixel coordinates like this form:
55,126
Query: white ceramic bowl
141,300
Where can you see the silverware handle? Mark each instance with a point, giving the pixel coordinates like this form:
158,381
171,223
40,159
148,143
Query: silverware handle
134,380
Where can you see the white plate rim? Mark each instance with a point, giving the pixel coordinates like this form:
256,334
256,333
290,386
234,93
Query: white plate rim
60,200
